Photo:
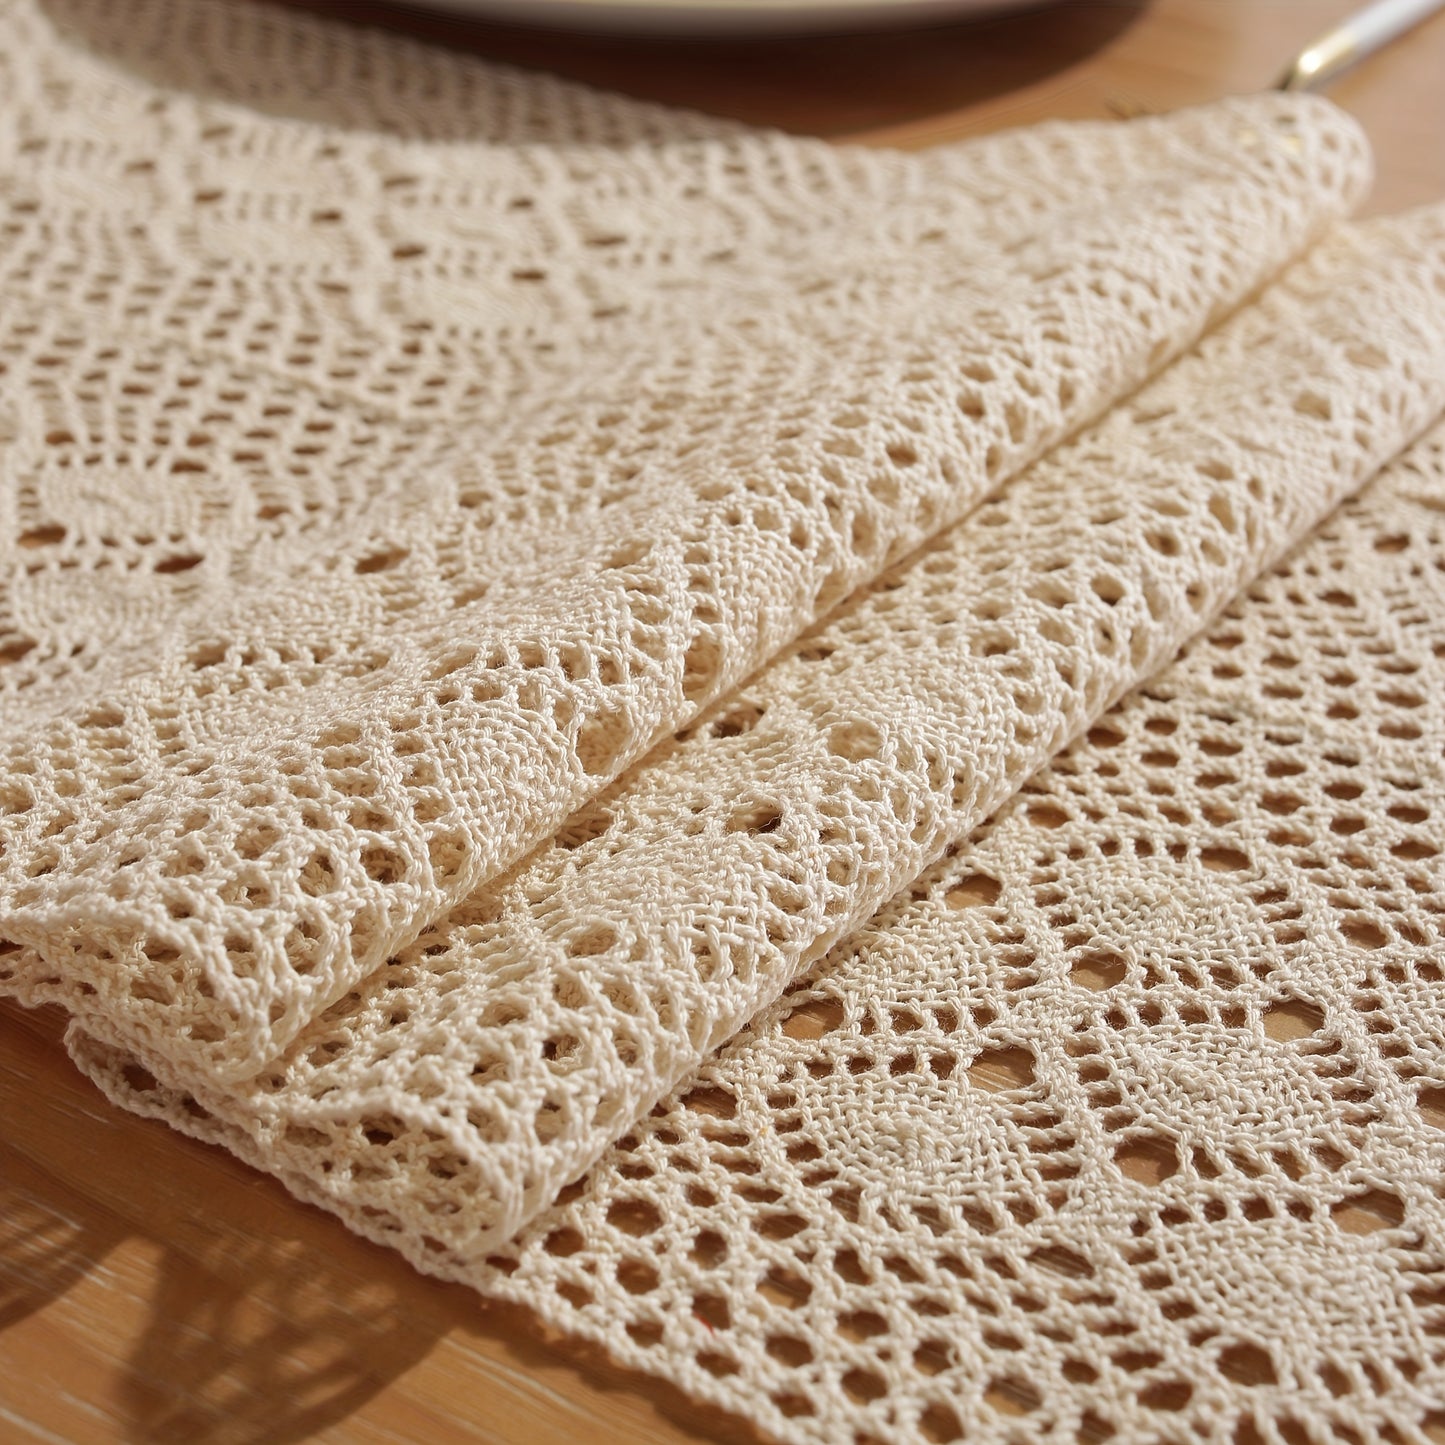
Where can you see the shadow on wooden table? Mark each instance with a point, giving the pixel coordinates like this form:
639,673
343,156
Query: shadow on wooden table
230,1313
831,85
160,1284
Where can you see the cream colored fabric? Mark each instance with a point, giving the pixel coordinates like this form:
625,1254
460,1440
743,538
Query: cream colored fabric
501,1052
298,661
400,452
1131,1114
1084,1124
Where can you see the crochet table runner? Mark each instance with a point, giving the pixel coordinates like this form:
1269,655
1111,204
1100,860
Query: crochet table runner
600,692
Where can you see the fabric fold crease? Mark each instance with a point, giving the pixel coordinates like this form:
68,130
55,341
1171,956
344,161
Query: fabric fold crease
756,745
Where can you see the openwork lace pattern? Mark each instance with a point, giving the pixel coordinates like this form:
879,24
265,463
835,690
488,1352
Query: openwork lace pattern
1085,1127
490,1063
332,593
601,693
1076,1126
1125,1120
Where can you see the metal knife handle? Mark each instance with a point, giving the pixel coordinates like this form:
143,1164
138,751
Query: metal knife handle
1358,36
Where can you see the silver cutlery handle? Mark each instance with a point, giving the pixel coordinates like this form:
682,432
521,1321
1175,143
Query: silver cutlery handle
1360,35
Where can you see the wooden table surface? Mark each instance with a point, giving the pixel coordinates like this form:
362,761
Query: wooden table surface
155,1289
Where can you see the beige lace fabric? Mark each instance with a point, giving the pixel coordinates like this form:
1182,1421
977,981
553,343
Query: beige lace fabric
321,721
431,730
1125,1121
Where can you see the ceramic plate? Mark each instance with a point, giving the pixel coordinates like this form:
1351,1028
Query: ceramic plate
716,16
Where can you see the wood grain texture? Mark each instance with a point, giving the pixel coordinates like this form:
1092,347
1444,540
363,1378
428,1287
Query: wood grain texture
154,1289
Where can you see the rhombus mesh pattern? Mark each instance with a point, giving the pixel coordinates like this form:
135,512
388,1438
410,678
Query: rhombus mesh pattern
331,594
1125,1121
561,671
491,1062
1128,1119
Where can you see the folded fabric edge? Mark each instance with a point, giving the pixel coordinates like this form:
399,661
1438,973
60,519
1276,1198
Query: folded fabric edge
131,1087
473,1223
157,1018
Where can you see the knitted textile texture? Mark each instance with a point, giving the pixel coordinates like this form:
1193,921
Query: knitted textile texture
1071,1138
560,691
301,653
